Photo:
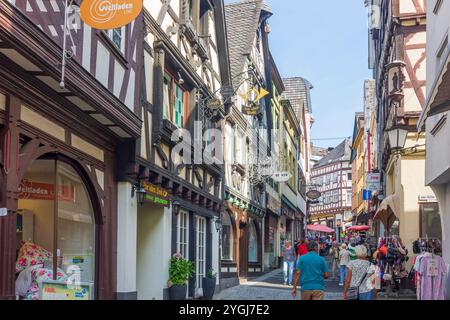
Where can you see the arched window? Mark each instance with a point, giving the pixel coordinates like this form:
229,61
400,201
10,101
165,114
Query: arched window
252,244
56,219
227,237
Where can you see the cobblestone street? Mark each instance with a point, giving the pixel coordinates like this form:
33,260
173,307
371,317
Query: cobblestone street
270,287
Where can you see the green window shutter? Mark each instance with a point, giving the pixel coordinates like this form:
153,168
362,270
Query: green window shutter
179,107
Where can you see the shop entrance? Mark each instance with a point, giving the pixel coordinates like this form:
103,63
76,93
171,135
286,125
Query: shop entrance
56,233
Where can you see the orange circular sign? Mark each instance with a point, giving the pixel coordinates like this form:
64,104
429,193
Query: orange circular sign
109,14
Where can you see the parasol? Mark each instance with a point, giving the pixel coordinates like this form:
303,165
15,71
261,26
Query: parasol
359,228
319,228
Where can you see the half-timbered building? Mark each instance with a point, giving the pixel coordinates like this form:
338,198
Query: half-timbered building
183,73
63,145
247,145
398,58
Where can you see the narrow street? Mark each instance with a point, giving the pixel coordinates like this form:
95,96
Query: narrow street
192,150
270,287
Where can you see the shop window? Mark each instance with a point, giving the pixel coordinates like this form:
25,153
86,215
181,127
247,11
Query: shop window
175,98
430,221
227,237
55,219
201,251
252,244
183,234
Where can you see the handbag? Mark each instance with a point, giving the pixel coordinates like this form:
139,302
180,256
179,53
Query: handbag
353,292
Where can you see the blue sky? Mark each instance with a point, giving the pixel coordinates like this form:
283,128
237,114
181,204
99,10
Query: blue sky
324,41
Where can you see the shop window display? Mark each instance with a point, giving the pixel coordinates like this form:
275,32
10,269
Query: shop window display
227,237
54,224
253,244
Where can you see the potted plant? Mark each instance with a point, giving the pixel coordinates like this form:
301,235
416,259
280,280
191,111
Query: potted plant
180,270
209,285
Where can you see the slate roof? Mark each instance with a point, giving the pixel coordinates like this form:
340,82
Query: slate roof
298,91
242,19
341,153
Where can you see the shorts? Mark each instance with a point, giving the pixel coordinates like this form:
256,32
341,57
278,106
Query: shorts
313,295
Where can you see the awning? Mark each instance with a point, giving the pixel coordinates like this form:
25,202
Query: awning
438,100
359,228
388,210
320,228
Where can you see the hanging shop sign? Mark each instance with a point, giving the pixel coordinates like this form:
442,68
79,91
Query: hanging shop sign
373,181
314,194
252,106
57,290
367,195
281,176
227,90
45,191
214,104
155,194
109,14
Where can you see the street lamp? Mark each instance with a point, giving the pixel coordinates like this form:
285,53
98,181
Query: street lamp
397,137
218,223
140,193
176,206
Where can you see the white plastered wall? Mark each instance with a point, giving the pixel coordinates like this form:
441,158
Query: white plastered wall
126,239
154,238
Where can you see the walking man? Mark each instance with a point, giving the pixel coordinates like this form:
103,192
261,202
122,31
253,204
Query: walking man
312,270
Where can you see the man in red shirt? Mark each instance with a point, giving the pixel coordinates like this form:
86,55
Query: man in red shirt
303,248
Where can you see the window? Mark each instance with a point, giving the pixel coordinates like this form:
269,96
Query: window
183,234
252,244
239,152
117,37
201,251
349,176
230,144
204,19
174,102
227,237
61,224
430,221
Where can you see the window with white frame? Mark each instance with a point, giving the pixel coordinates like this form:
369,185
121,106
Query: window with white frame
230,144
201,251
183,234
117,36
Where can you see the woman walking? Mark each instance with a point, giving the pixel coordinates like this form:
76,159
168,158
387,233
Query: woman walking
334,252
288,262
344,259
360,277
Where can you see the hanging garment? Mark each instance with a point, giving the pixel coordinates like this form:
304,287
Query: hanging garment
432,271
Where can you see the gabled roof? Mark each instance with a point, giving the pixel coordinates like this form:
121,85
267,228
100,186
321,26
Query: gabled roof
298,91
242,19
341,153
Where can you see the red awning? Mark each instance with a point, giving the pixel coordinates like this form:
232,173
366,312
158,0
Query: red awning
319,228
359,228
